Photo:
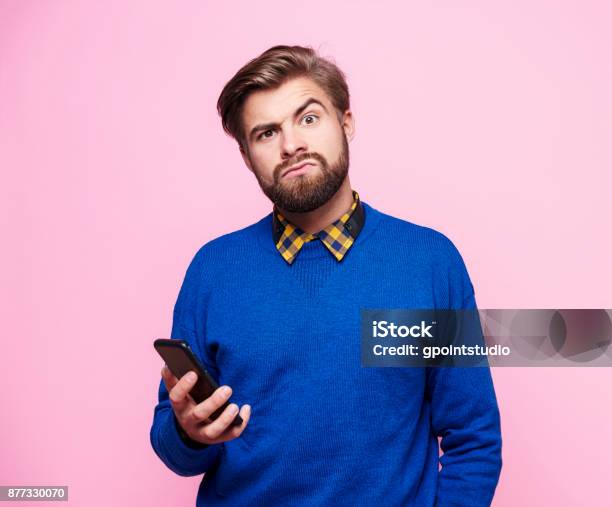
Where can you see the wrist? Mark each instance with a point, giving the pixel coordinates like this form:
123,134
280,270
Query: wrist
187,440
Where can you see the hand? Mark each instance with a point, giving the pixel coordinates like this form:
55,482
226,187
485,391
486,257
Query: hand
194,418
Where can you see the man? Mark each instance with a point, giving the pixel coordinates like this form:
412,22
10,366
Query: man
273,312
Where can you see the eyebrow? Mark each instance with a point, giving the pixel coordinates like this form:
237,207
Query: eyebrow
298,111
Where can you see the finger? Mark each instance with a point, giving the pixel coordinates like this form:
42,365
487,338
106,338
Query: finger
236,431
203,410
178,395
221,423
169,379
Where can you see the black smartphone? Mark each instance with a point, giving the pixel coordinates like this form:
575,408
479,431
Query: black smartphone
180,359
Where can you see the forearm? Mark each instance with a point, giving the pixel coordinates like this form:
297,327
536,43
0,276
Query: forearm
465,414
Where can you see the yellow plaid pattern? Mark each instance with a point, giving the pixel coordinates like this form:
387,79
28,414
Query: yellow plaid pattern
338,237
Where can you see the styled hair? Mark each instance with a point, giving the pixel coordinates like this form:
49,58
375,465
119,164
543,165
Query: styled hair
270,70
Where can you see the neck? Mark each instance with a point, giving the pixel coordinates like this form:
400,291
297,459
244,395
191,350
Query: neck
317,219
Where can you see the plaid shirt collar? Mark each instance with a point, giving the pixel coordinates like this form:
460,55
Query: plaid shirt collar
338,237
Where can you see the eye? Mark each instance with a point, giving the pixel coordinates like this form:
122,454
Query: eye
263,134
313,116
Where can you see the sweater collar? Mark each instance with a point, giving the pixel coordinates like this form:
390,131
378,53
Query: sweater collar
338,236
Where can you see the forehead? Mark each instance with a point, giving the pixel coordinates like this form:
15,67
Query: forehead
279,103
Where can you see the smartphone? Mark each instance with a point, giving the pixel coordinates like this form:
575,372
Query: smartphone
180,359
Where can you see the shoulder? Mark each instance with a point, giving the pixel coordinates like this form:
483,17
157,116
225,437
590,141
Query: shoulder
216,254
420,239
431,250
226,243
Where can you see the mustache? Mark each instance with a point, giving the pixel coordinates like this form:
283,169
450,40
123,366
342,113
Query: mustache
304,156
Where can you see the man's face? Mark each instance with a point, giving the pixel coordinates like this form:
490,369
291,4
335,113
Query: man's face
290,125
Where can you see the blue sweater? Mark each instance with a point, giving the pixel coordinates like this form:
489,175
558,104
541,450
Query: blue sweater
324,430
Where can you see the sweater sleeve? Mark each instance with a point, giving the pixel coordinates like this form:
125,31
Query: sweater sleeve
177,451
465,414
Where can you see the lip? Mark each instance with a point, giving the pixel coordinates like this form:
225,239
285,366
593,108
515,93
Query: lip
298,166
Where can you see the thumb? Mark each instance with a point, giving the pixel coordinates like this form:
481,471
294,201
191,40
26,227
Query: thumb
169,379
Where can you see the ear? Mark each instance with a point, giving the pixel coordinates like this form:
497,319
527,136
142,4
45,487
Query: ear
246,158
348,124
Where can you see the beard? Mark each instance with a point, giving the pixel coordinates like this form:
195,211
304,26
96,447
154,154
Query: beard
308,191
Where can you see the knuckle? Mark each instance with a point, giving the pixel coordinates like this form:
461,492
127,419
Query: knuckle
207,433
194,417
204,409
230,412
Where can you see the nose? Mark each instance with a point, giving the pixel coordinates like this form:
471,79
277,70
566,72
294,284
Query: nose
292,144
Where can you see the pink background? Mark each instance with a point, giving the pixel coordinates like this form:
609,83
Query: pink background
489,121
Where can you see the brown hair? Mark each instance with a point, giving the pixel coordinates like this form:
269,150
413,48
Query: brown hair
270,70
